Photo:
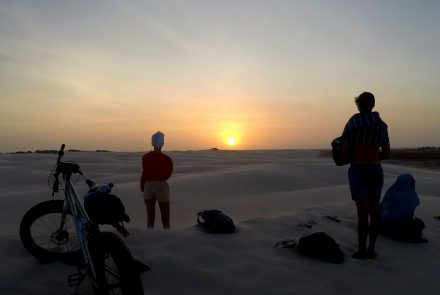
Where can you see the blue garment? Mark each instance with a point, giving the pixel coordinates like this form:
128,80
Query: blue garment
400,200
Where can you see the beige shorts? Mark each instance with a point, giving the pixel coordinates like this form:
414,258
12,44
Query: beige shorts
158,190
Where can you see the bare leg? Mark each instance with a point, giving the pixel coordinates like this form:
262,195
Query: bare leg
165,214
151,212
373,228
362,211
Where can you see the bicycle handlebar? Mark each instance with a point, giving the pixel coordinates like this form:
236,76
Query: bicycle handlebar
65,168
61,153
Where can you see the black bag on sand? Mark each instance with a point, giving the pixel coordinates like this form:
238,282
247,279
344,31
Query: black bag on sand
322,246
216,222
337,152
408,231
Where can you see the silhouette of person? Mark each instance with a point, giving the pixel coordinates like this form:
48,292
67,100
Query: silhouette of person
397,210
366,143
156,170
400,200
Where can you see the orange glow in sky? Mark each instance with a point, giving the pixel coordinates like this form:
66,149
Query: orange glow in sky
258,75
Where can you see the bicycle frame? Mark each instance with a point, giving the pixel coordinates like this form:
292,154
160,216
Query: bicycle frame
80,218
73,204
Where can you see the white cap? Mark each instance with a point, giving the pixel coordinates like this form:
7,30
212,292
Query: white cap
158,139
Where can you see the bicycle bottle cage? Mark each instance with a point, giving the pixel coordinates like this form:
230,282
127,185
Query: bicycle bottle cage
67,168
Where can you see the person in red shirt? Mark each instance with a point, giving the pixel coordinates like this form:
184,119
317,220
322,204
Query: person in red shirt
156,170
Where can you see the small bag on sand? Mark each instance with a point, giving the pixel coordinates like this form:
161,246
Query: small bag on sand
216,222
322,246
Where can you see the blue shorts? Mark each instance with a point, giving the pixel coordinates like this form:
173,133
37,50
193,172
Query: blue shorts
366,182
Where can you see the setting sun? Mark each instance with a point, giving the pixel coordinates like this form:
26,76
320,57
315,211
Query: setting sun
230,134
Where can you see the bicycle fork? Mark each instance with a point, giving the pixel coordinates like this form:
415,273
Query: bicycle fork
84,229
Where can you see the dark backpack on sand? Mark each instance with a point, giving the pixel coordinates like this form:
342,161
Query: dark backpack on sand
216,222
322,246
409,231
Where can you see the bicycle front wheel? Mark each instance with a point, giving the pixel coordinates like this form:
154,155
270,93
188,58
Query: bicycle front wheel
41,236
114,266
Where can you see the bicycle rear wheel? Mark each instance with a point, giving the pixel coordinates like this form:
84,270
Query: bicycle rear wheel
114,266
40,234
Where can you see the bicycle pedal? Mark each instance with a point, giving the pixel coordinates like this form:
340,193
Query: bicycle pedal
75,279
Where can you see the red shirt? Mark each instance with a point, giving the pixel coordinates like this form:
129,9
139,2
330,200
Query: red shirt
156,166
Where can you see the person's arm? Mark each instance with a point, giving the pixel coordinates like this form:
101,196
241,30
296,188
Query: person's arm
345,147
385,149
168,168
142,180
345,150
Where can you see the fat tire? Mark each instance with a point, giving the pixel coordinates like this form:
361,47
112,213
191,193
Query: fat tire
41,212
109,251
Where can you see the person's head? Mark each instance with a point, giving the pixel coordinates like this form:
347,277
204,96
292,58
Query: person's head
158,140
365,102
406,182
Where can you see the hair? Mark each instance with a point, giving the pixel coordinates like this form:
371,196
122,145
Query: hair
365,102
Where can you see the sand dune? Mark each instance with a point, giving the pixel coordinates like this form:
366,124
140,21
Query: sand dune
269,194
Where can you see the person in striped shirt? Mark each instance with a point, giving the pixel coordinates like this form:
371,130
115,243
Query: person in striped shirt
366,143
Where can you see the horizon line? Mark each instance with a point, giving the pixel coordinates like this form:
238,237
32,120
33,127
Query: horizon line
51,151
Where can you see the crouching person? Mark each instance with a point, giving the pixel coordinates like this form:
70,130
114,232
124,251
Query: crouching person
397,211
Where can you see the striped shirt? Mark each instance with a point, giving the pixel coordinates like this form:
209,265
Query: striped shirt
366,128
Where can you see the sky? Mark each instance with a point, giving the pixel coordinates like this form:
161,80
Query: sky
231,74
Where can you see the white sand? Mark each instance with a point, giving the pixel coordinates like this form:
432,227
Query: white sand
267,193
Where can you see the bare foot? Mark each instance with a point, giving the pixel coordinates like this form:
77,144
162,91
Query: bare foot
371,254
360,255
